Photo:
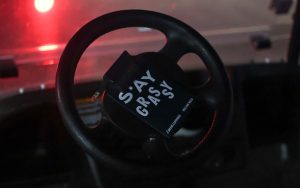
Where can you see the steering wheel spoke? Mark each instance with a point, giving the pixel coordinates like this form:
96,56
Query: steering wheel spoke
154,148
174,53
208,95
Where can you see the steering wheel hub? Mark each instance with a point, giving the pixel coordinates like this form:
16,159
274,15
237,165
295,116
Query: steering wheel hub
143,86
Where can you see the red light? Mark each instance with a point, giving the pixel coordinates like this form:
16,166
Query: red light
48,47
43,5
49,62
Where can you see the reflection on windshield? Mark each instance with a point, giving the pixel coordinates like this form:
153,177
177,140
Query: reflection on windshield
25,26
35,32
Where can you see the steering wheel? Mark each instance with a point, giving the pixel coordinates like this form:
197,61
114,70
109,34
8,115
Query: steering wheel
147,97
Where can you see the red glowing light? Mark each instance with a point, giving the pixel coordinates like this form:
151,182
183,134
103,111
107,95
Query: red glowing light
48,47
49,62
43,5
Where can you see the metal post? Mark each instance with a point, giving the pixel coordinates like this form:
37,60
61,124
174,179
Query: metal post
294,46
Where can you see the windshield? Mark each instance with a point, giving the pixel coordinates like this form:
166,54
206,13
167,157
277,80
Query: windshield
34,32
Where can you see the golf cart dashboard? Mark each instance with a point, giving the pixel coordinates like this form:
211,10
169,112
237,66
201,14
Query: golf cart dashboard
39,132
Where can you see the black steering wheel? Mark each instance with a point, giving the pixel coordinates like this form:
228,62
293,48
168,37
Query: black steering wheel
146,96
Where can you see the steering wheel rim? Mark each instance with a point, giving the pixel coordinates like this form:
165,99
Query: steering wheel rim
167,25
